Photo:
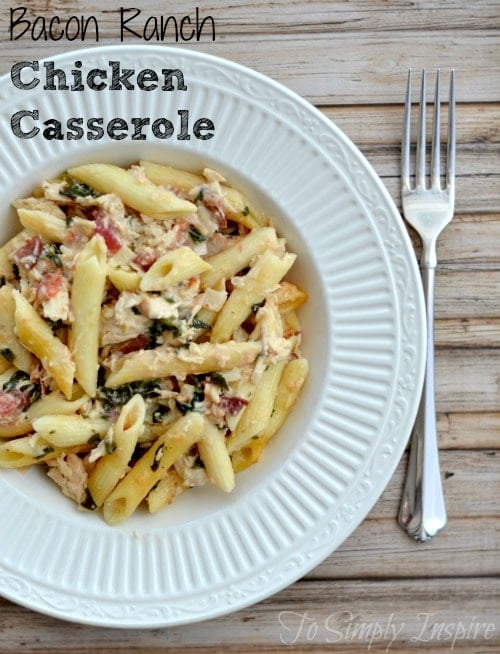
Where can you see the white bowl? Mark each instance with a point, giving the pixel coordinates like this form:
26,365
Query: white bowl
363,334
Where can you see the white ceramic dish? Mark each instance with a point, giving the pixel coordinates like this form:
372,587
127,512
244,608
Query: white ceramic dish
364,335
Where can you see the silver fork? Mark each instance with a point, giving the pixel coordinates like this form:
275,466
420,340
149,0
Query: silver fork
428,208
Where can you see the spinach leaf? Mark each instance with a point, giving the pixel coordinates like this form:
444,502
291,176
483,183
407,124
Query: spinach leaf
159,326
79,190
196,235
122,394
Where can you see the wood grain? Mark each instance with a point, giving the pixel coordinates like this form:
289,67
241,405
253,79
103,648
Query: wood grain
240,16
350,59
412,606
368,69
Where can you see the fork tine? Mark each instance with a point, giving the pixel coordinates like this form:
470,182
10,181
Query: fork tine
405,141
436,146
420,157
450,165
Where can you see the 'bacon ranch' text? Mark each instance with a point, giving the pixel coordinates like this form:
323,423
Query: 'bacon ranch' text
128,23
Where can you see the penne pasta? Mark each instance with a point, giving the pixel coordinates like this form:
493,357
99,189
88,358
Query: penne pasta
230,261
89,279
36,335
123,280
288,297
40,204
176,178
18,427
195,360
6,250
213,452
53,228
151,467
149,339
251,290
4,364
55,403
237,206
165,491
27,451
290,385
172,268
145,197
11,349
258,412
69,430
112,466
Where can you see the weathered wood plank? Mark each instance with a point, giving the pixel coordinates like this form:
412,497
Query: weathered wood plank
476,123
356,68
466,547
467,292
469,430
472,159
467,332
288,16
350,615
469,238
465,474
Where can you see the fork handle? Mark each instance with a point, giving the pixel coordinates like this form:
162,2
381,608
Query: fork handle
423,513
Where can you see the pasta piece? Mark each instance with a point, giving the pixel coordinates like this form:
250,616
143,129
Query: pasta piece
196,359
151,467
176,178
55,403
251,290
6,250
258,412
227,263
28,450
120,274
36,335
4,364
68,431
111,467
236,206
144,197
89,279
288,297
213,452
173,267
11,350
18,427
165,491
40,204
123,280
290,385
52,228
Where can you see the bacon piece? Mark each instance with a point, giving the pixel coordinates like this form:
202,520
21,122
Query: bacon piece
133,344
232,405
28,254
108,231
145,260
49,286
11,404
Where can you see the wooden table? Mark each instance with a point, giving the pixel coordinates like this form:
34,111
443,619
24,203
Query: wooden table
388,592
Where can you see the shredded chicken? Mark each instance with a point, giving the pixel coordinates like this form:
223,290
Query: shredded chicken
69,473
